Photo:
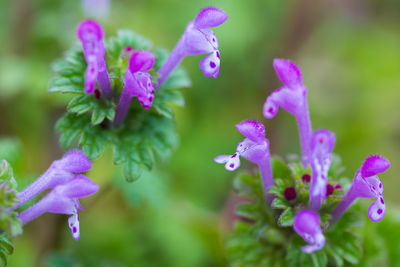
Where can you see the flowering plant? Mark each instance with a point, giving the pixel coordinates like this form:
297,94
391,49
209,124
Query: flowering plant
106,76
298,212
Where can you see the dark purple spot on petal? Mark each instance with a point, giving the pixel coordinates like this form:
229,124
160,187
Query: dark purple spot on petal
270,110
338,186
379,211
383,202
212,64
232,165
217,54
329,189
306,178
290,193
74,230
234,155
380,185
213,40
321,140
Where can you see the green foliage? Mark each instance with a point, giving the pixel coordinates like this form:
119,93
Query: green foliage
10,225
88,121
265,237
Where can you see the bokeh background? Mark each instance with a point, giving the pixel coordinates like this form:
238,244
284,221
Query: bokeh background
179,214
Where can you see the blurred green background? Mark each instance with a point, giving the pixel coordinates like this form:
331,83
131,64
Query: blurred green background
179,214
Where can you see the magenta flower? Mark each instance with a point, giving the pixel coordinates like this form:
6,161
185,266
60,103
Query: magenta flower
292,97
60,172
366,185
91,34
322,143
255,148
198,38
307,225
138,83
63,199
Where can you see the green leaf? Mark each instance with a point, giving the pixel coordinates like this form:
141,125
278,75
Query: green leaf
287,217
249,211
6,248
165,110
80,104
98,116
132,171
279,203
93,143
279,168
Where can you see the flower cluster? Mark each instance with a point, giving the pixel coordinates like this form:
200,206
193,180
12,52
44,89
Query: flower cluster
197,39
67,185
316,148
107,75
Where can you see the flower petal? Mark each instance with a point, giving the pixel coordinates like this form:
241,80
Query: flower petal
73,223
196,41
289,100
222,158
288,73
210,17
373,165
377,210
254,130
141,61
322,141
233,163
307,225
144,89
80,186
91,77
89,30
74,161
210,65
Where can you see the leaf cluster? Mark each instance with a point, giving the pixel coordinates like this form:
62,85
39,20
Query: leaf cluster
10,225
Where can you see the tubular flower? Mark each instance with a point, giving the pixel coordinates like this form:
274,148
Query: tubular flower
292,97
63,199
198,38
91,34
138,83
322,143
307,225
60,172
255,148
366,185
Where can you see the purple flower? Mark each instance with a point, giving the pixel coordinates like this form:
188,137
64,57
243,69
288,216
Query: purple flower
91,34
322,143
198,38
366,185
292,97
307,225
63,199
60,172
138,83
255,148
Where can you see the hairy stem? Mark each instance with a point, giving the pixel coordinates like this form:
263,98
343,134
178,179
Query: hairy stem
343,205
304,125
104,81
266,178
171,63
122,107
